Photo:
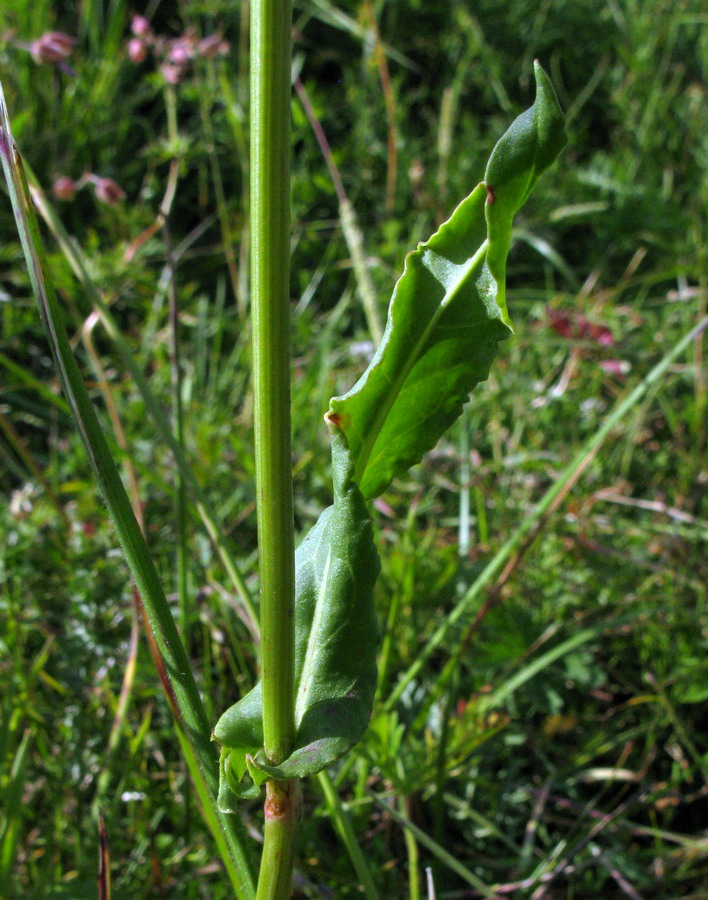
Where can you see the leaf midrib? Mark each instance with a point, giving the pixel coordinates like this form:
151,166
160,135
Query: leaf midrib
310,653
385,409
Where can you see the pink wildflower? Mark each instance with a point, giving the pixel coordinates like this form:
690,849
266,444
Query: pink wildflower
64,188
578,328
615,366
172,73
181,50
137,50
141,27
560,323
213,45
107,190
52,47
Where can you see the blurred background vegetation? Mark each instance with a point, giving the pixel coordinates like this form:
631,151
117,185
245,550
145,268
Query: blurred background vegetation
585,774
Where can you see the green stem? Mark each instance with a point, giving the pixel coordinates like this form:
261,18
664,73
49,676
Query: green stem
281,815
270,136
412,851
270,302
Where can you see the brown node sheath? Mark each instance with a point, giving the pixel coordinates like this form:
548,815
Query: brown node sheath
279,802
490,194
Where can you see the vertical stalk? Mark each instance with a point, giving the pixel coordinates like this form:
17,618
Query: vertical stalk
175,363
270,300
270,251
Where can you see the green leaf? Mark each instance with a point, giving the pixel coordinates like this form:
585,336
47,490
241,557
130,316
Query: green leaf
447,314
336,638
448,311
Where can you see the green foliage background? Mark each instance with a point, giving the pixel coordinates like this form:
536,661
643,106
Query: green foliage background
614,234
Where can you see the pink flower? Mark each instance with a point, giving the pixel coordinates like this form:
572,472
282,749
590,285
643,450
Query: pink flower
578,328
212,45
52,47
172,73
141,27
137,50
181,50
601,335
615,366
64,188
107,190
560,323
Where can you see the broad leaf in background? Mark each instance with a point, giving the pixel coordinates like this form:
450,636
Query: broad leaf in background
448,311
336,638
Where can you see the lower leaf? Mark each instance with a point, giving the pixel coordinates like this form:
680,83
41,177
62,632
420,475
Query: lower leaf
336,639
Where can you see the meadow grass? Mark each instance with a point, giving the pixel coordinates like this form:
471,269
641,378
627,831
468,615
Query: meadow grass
554,743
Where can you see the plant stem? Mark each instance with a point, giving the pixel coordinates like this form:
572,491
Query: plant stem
270,293
270,135
281,816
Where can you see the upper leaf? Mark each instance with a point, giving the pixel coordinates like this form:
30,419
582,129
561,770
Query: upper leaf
336,638
529,146
448,311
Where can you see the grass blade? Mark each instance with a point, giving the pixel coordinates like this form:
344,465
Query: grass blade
12,802
440,852
542,508
154,410
180,686
343,826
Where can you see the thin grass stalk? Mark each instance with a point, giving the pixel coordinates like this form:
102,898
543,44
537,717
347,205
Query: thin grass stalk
270,305
446,858
126,690
175,362
17,444
227,234
236,117
342,823
192,725
411,852
463,531
181,516
512,545
76,261
353,236
11,809
441,763
430,882
390,105
205,89
104,862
